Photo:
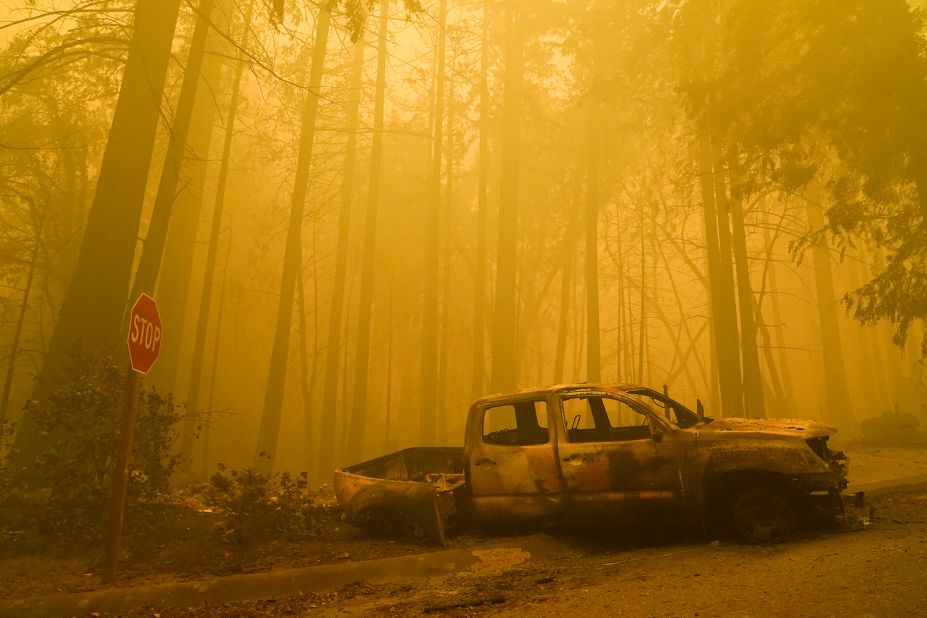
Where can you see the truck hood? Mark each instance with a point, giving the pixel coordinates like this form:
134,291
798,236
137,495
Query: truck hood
779,426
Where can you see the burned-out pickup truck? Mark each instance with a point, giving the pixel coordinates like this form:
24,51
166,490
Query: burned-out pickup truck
621,454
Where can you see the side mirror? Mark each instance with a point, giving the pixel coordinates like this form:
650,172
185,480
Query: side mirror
657,435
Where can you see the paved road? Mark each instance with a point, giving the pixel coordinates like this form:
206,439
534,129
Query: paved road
878,571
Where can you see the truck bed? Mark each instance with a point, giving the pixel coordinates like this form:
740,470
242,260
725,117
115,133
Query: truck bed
413,491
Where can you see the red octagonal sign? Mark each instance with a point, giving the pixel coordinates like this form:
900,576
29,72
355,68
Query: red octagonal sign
144,334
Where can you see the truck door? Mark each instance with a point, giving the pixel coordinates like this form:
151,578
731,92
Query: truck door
614,458
512,466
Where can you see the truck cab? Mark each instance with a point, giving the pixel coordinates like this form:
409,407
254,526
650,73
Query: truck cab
572,451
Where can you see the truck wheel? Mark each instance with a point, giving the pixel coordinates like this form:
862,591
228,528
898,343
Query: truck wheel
764,514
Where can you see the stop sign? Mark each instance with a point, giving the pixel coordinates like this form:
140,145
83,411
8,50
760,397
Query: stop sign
144,334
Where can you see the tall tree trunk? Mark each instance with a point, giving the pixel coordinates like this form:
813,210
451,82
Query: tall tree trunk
775,340
207,429
837,400
21,320
566,289
445,354
630,351
894,355
93,306
642,344
389,376
879,384
428,406
755,407
504,357
336,312
269,431
355,439
723,310
479,296
593,353
726,356
202,325
621,337
176,267
579,342
725,279
594,98
342,430
307,372
153,248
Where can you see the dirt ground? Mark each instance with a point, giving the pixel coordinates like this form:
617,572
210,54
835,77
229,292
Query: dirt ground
186,545
875,572
878,571
602,569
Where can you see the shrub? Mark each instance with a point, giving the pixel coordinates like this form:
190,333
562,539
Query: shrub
67,487
254,506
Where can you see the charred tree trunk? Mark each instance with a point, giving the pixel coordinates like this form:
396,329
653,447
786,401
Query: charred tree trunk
269,431
217,339
642,315
389,377
93,306
153,248
20,321
428,406
307,373
879,385
445,354
504,357
774,338
723,309
754,404
593,352
566,289
838,406
336,313
479,280
595,96
202,325
357,426
622,305
176,266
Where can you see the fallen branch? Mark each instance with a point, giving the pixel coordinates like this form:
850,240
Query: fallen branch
477,602
673,553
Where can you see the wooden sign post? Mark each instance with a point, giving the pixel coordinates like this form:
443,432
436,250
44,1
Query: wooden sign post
144,341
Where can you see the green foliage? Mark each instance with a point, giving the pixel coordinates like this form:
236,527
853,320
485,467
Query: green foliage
829,93
87,38
356,11
898,293
59,72
254,506
68,485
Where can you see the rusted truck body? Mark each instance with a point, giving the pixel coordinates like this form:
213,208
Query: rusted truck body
614,453
415,491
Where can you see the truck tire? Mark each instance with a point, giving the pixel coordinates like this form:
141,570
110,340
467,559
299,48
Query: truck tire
764,513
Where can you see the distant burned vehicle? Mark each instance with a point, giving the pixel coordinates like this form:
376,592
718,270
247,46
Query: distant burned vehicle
624,454
893,428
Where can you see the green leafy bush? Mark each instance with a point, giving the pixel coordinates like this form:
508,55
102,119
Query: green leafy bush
254,506
66,489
